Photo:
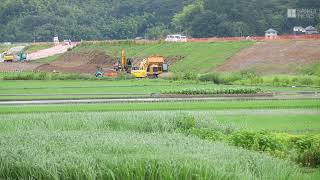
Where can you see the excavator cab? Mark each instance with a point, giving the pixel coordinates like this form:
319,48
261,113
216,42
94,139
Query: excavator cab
154,70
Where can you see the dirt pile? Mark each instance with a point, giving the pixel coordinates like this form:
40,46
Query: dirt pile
17,66
275,57
170,60
79,62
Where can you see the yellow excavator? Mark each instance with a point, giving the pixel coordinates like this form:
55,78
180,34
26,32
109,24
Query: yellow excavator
15,54
124,64
150,67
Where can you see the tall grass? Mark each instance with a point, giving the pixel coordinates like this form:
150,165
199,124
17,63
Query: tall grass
213,91
57,76
250,78
136,146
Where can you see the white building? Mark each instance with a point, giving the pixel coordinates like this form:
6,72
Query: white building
56,40
271,34
311,30
176,38
299,29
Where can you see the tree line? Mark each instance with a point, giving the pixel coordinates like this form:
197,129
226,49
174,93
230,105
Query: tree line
40,20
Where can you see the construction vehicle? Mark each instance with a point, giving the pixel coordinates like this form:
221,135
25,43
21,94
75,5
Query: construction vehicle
102,72
150,67
22,56
15,54
8,57
124,64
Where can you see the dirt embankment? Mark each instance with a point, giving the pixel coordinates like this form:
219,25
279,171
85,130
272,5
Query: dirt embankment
79,62
17,66
275,57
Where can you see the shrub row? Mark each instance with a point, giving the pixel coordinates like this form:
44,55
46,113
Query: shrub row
197,91
221,78
303,149
250,78
57,76
282,81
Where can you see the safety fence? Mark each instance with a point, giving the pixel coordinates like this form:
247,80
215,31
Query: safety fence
256,38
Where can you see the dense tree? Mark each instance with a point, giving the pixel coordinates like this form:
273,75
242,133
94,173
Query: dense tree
157,32
40,20
207,18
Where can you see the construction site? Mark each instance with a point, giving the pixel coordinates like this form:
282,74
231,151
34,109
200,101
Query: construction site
280,56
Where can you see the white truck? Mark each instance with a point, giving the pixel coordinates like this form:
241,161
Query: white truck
176,38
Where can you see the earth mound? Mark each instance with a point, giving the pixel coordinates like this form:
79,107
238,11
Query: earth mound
79,62
274,57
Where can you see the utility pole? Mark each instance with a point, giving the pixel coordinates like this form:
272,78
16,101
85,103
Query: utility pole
34,36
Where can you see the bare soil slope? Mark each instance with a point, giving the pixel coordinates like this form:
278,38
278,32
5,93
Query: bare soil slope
274,57
76,62
17,66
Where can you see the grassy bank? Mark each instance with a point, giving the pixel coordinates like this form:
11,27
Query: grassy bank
194,57
37,47
4,48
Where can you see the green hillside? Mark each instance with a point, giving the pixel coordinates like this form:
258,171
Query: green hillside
40,20
196,57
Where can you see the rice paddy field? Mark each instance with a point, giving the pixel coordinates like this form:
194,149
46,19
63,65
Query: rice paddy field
220,139
82,89
151,140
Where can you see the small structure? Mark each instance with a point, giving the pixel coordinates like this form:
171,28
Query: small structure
299,30
176,38
271,34
311,30
56,40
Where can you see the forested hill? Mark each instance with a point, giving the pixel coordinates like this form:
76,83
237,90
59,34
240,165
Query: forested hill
24,20
207,18
40,20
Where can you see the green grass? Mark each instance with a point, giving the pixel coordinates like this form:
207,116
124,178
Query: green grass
293,121
50,89
164,106
37,47
281,121
312,69
197,57
131,145
4,48
80,87
46,60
